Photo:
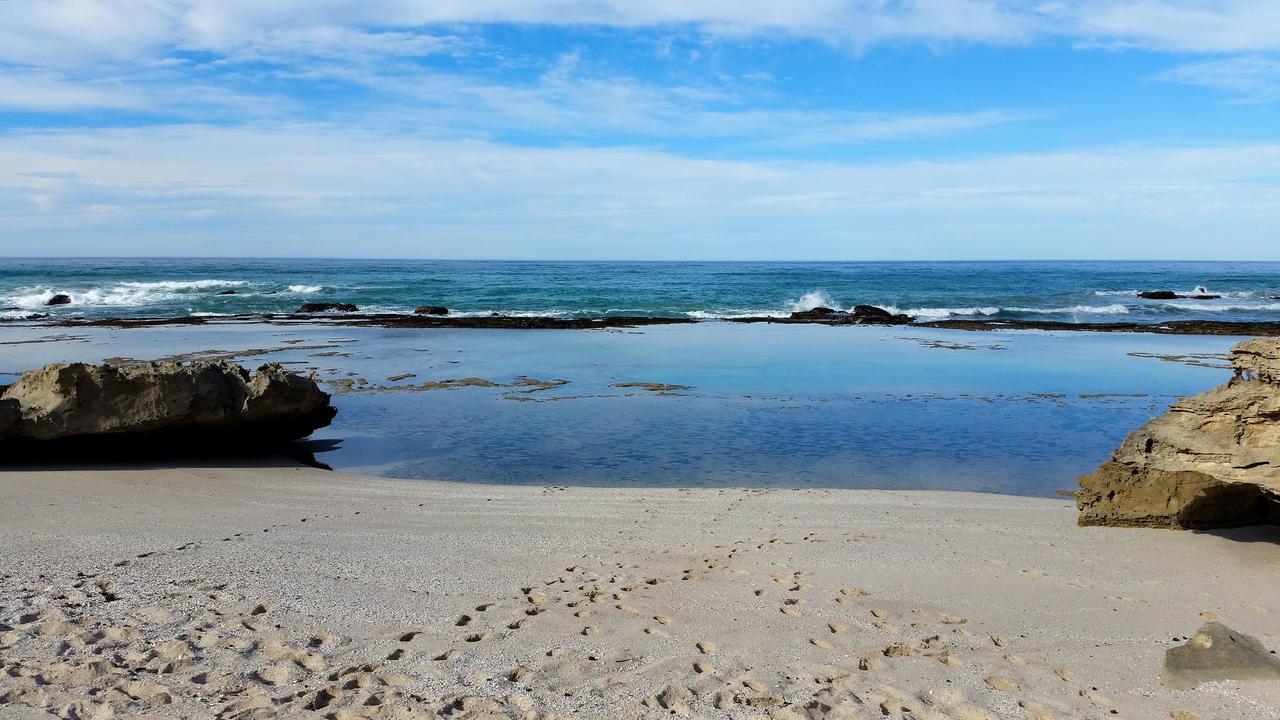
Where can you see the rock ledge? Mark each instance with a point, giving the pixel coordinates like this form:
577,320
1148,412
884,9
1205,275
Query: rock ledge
1212,460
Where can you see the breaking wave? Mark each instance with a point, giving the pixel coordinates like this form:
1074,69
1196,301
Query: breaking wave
124,294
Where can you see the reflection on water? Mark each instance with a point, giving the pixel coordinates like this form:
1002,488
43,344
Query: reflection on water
1014,412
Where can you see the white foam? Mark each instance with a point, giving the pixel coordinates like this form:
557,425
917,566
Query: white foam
125,294
1205,306
943,313
1115,309
1223,293
304,289
731,314
811,300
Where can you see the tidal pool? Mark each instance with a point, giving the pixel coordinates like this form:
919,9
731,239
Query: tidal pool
714,404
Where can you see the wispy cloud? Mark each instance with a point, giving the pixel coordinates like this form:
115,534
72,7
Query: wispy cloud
1250,79
59,33
310,189
40,90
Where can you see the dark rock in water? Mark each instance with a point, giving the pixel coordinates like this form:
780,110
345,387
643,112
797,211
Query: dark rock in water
59,299
327,307
1213,460
1217,653
819,313
861,315
146,409
272,292
871,311
431,310
227,292
1171,295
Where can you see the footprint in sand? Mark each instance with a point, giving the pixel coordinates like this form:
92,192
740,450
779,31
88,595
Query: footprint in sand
705,647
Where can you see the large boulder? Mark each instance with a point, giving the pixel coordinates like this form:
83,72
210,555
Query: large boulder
1212,460
59,299
209,407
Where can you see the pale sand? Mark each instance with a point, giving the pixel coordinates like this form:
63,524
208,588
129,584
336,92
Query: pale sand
265,592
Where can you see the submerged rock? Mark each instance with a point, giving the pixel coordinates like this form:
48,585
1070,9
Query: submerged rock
209,407
59,299
327,307
431,310
227,292
1212,460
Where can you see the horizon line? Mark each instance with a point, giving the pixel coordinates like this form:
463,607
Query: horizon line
627,260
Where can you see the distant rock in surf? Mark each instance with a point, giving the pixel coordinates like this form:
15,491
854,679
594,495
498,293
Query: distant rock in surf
818,313
1171,295
1212,460
861,314
431,310
227,292
59,299
871,311
327,307
145,409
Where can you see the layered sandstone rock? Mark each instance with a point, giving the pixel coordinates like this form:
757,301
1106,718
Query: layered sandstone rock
1212,460
213,407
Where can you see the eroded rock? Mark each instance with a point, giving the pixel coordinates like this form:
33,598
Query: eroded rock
213,407
1212,460
1218,653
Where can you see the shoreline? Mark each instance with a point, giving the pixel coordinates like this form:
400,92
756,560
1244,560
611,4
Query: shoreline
261,591
547,322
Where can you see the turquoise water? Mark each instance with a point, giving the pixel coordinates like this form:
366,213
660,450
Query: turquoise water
1066,291
1020,412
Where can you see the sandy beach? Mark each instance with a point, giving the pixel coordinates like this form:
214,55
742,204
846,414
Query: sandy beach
293,592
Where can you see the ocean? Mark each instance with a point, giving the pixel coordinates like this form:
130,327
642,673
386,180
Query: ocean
1079,292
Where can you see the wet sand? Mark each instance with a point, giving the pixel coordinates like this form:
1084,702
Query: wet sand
293,592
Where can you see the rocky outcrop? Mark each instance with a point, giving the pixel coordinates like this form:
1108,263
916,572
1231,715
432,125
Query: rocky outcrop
1212,460
431,310
327,307
59,299
208,407
861,314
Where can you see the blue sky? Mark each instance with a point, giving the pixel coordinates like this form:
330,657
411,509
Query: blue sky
648,129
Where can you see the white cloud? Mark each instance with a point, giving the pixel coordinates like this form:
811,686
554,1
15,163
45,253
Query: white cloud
311,189
43,90
1251,79
72,33
1196,26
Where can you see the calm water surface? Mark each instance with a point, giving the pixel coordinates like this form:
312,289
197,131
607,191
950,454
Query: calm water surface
804,406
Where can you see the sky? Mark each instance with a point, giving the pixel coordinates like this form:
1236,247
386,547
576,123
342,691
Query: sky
641,129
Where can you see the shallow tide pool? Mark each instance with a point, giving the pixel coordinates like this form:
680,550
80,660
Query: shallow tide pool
710,404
